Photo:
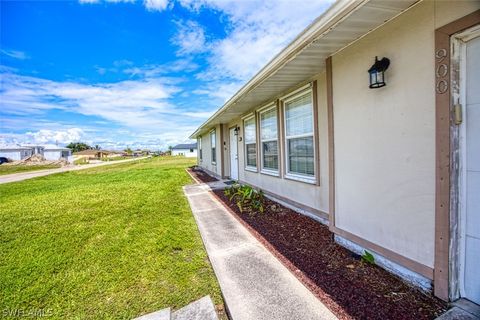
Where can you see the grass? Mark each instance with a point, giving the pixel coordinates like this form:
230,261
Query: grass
111,242
116,158
9,169
80,161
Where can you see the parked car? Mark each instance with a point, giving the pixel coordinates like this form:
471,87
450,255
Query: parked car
3,160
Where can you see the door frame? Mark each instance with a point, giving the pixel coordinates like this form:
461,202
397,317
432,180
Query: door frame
459,56
447,160
230,153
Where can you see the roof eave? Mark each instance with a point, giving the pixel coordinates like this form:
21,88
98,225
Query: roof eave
335,13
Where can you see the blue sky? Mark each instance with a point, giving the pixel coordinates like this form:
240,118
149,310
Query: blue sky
132,73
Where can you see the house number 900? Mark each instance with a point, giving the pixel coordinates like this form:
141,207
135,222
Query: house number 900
441,71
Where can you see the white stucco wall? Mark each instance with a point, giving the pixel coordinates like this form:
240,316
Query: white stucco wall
15,155
304,193
52,155
206,162
385,138
184,152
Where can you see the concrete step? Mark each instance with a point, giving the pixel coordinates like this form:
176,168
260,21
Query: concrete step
163,314
202,309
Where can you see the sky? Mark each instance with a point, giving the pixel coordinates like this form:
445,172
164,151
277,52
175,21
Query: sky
138,74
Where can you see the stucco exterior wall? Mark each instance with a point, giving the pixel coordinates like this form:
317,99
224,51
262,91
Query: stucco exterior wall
16,154
385,138
206,162
304,193
184,152
52,155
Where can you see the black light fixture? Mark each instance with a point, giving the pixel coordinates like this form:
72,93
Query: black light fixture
236,130
377,73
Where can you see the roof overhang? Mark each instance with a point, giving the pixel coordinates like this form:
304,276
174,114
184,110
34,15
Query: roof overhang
342,24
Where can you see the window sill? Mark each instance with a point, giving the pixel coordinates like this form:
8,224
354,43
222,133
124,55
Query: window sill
251,169
214,163
270,172
309,180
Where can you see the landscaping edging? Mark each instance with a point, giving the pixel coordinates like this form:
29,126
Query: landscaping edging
411,303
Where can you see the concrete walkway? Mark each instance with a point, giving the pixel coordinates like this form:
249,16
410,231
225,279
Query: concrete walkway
255,285
40,173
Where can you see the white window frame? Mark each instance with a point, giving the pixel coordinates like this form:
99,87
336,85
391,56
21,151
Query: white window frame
200,153
213,133
261,111
245,142
312,179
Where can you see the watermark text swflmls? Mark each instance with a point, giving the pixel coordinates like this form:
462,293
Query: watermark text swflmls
28,313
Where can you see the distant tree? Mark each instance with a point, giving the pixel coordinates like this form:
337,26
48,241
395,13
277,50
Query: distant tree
128,151
97,147
78,146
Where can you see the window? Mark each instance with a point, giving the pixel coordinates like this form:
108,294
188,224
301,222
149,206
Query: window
250,143
213,141
299,137
269,139
200,148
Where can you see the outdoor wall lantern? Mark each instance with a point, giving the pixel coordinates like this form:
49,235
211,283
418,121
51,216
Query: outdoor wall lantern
377,73
236,130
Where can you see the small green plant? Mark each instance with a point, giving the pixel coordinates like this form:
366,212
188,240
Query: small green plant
246,198
368,257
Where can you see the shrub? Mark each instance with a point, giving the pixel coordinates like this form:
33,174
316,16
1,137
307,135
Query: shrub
246,197
368,257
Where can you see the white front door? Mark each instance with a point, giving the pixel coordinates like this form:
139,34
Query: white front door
233,155
470,176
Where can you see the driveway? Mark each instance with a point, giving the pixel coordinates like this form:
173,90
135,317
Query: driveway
40,173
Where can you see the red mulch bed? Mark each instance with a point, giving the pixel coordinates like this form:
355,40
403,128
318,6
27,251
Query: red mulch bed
349,287
201,175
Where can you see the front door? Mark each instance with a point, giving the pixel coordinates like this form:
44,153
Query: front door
233,154
470,164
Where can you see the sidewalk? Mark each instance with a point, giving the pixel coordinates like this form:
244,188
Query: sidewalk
255,285
40,173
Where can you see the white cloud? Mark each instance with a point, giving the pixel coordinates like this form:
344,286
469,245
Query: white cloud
156,5
60,137
144,107
43,136
259,30
256,30
126,102
150,5
153,70
15,54
190,38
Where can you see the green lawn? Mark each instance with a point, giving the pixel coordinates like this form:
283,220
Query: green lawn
111,242
8,169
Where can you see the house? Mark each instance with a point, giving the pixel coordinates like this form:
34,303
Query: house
91,154
36,149
15,152
188,150
140,152
384,151
54,153
115,154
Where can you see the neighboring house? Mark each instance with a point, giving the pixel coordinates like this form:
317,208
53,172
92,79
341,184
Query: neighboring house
53,152
115,154
91,154
187,149
36,149
15,152
140,153
384,167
